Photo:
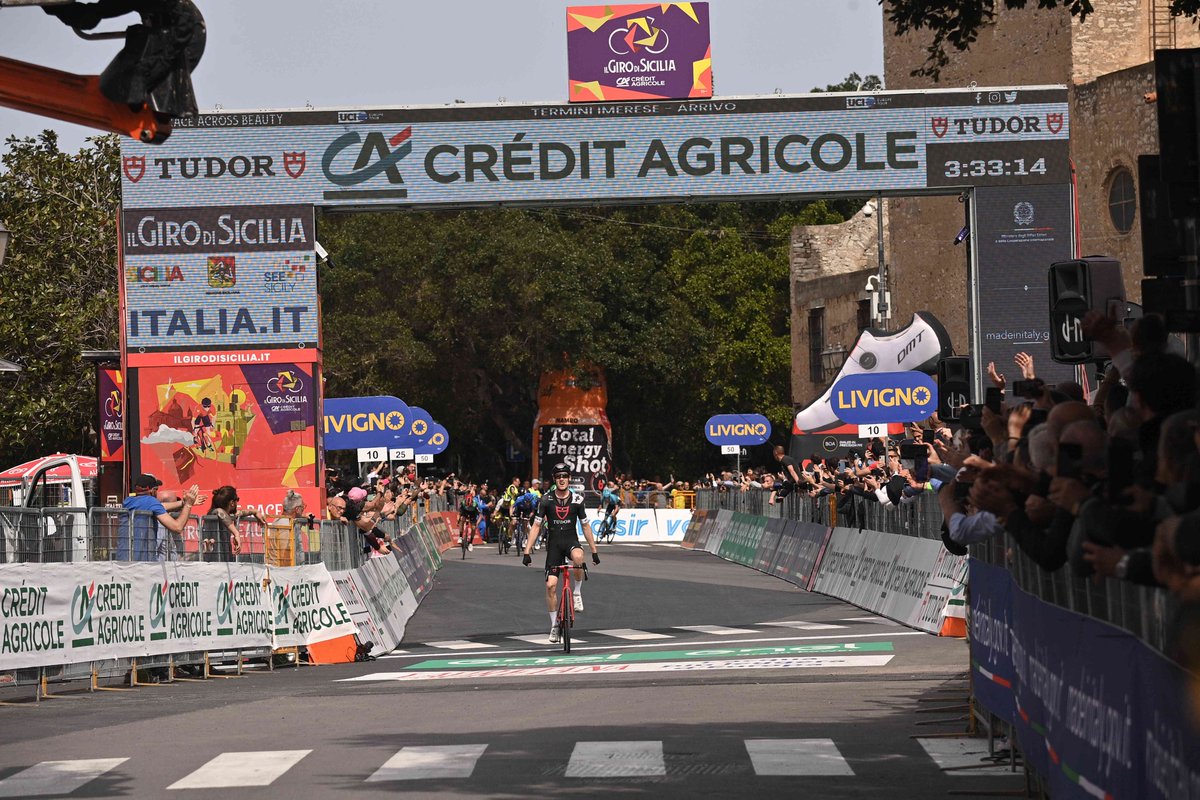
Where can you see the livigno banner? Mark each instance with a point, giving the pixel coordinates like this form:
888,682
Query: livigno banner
66,614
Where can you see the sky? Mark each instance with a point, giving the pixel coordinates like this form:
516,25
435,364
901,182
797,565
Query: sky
273,54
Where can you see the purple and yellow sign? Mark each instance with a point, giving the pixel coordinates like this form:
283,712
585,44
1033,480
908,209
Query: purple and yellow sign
639,51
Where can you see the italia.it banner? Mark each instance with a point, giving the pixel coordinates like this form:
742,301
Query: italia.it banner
66,613
245,419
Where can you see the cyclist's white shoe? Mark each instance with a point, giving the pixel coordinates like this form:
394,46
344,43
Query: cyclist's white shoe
470,548
579,602
555,635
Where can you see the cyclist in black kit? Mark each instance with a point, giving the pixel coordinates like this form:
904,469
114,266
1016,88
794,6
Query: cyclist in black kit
561,511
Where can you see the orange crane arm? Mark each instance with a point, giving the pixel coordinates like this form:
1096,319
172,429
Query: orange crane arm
78,99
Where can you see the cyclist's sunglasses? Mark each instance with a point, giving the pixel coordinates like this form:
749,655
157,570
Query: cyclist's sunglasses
558,475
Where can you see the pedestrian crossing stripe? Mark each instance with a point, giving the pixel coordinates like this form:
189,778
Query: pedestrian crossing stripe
591,760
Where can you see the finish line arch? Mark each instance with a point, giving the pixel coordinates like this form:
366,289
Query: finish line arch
218,264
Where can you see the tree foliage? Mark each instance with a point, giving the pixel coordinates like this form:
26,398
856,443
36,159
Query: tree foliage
957,22
58,290
854,83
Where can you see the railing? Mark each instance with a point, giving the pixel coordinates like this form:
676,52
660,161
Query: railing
45,535
1144,611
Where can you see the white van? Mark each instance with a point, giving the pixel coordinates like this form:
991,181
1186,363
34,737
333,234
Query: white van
47,515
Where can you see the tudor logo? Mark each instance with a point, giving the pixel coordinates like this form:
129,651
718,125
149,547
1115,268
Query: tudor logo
939,125
1054,122
561,511
134,167
294,163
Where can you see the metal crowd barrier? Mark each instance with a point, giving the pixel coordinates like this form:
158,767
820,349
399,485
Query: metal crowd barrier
1144,611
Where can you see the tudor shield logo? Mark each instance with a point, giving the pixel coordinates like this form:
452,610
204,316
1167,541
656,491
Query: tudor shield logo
561,511
134,167
939,125
1054,122
294,163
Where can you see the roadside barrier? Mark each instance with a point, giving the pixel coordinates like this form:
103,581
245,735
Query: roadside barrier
102,619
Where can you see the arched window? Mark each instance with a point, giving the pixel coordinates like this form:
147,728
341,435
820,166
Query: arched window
1122,200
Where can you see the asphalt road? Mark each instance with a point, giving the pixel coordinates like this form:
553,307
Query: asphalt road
690,677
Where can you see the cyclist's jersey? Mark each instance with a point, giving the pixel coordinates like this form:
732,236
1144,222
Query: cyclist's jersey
609,499
525,504
510,494
560,518
468,507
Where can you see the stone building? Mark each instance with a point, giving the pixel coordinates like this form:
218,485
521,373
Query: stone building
1107,63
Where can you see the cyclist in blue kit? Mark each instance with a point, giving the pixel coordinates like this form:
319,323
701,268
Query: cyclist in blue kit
561,511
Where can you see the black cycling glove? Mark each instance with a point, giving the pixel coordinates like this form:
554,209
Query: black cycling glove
526,559
596,559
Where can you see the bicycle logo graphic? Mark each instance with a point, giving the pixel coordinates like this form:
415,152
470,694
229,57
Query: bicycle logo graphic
285,381
112,404
655,40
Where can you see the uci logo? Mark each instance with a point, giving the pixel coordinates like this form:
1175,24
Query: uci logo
375,156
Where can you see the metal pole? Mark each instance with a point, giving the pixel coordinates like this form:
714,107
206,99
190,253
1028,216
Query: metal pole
882,305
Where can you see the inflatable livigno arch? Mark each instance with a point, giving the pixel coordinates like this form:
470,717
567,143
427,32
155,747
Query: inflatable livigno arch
218,246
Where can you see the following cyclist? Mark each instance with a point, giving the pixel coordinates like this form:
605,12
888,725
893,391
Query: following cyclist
610,504
523,507
562,513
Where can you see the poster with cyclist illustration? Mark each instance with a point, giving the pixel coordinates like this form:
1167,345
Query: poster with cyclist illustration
246,425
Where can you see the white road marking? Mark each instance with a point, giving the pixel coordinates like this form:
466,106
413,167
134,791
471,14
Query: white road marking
777,662
631,634
458,644
56,777
964,752
616,760
796,757
420,763
252,768
875,620
802,625
675,642
715,630
541,638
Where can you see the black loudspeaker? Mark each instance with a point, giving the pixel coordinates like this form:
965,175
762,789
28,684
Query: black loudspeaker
1077,287
954,387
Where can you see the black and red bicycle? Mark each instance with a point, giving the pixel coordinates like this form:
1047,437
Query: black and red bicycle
566,605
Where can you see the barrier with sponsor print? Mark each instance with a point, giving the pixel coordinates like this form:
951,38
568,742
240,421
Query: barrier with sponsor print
1097,712
75,613
911,580
643,525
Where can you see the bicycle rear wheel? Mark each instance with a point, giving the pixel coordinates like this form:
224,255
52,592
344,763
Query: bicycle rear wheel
566,616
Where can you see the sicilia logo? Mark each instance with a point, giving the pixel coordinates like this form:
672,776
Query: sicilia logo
376,155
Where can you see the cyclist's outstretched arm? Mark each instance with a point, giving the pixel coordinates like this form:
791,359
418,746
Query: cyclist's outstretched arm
534,530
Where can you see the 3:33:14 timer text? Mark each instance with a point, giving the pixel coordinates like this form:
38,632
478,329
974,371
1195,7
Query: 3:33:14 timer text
979,168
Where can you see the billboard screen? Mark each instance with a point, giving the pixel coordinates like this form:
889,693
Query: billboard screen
251,426
219,277
633,150
1018,232
640,51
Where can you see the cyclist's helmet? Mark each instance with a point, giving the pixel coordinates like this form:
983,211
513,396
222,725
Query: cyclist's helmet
560,469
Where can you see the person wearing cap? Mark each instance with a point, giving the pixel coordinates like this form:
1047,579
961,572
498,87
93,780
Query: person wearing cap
139,541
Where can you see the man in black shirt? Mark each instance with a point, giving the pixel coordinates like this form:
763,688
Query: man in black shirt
562,512
791,475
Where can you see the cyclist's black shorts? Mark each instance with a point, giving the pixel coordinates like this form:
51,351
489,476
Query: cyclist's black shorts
470,513
558,552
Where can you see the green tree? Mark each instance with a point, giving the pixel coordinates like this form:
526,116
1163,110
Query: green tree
58,289
957,22
854,83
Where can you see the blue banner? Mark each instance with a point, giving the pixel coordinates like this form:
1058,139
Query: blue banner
353,422
991,636
436,440
740,429
870,399
418,428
